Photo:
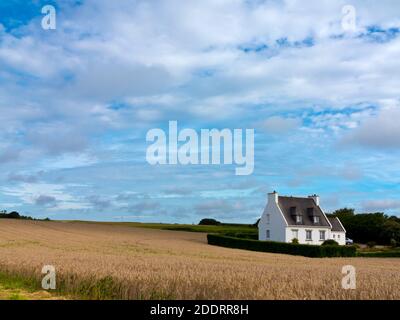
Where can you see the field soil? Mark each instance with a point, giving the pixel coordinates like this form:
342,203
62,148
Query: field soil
100,261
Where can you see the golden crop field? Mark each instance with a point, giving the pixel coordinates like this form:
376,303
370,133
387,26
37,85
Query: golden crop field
118,262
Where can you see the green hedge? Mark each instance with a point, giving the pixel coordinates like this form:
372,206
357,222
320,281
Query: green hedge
312,251
241,235
380,254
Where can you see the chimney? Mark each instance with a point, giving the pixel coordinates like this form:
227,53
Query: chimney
273,197
316,199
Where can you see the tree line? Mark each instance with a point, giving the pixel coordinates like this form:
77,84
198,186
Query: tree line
16,215
370,227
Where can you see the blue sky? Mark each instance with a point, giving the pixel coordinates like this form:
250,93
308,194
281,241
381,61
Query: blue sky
76,104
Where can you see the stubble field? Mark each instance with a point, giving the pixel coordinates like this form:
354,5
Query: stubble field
96,261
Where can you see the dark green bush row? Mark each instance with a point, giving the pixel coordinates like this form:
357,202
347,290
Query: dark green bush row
312,251
242,235
380,254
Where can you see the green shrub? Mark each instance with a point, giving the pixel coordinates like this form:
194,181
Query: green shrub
380,254
371,244
330,242
280,247
295,241
209,222
242,235
393,243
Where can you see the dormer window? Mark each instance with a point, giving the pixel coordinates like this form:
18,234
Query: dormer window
297,216
311,213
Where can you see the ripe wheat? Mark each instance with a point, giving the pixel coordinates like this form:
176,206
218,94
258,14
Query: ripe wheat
98,261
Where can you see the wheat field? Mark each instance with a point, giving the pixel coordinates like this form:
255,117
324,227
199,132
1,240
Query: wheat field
98,261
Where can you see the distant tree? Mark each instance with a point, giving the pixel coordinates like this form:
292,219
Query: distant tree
343,213
14,215
391,231
369,227
371,244
256,224
394,218
209,222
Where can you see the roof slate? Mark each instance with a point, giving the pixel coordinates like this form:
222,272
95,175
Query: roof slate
302,205
336,225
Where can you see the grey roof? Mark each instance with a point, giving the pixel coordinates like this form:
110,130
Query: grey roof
336,225
302,206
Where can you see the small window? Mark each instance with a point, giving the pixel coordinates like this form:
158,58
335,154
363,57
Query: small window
268,218
322,235
316,219
268,234
295,234
299,219
338,236
334,236
308,235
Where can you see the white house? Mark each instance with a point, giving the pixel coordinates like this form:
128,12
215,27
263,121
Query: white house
285,218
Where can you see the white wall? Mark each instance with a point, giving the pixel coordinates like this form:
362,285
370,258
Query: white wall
339,237
302,234
276,224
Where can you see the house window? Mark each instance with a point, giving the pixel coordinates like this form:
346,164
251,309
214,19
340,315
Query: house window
338,236
268,218
334,236
316,219
322,235
299,219
268,234
308,235
295,234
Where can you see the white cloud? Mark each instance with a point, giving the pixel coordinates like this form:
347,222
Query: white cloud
279,125
381,205
45,193
381,131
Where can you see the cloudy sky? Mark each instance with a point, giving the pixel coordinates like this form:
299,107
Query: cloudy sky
76,104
